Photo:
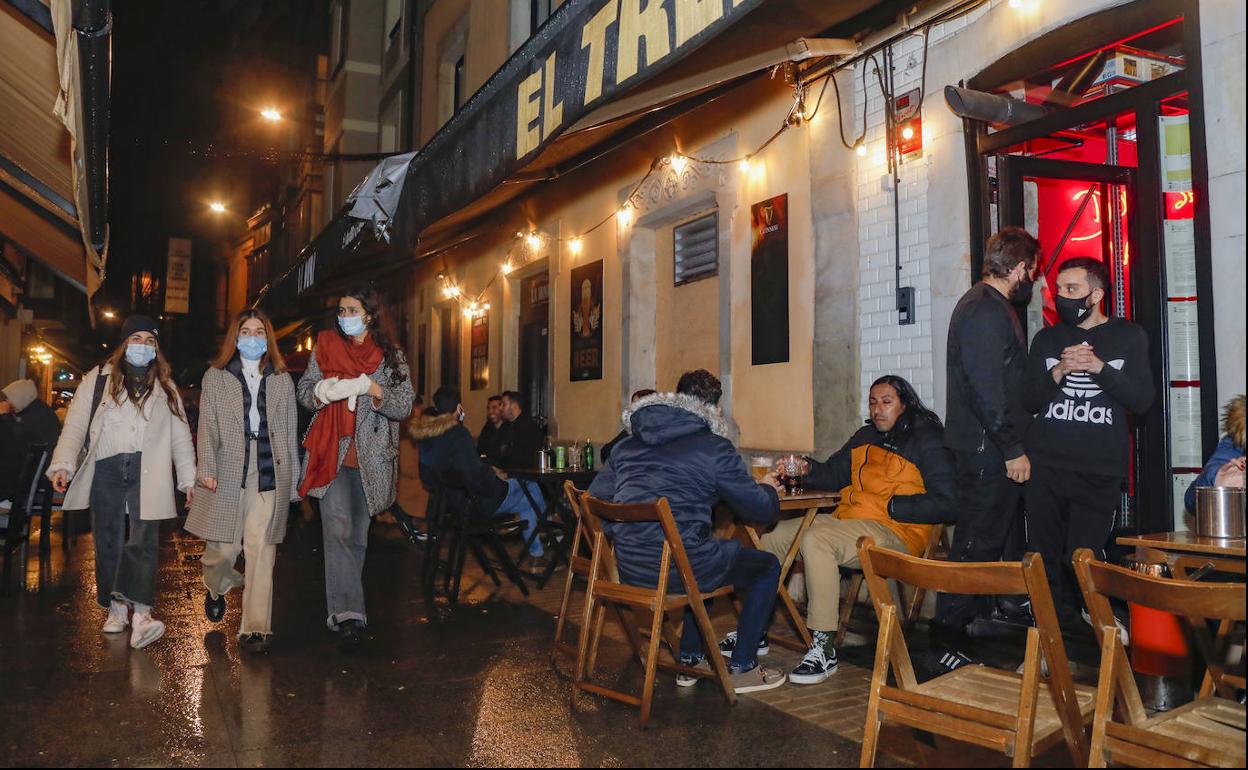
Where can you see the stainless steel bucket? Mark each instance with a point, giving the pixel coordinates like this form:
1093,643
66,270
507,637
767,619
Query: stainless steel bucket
1220,512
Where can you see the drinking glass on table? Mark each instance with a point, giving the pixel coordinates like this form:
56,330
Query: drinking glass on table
790,469
760,466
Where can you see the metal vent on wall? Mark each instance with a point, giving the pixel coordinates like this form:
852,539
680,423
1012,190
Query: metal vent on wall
695,247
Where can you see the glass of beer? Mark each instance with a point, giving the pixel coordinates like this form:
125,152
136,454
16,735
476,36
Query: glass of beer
791,470
760,466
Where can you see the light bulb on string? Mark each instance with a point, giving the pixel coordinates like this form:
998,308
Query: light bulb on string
625,214
575,245
533,240
678,162
506,268
860,150
744,165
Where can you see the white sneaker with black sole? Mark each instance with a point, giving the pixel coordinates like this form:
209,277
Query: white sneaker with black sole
146,630
729,644
819,663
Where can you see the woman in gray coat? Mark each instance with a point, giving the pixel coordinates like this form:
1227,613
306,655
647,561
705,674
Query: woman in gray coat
248,472
358,384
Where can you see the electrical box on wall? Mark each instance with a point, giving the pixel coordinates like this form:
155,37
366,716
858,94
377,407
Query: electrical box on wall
905,305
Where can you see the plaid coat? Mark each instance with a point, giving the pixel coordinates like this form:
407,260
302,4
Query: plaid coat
222,449
376,431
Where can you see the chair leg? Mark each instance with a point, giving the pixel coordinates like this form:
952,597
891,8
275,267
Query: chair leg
584,635
509,566
1029,695
712,650
599,616
652,664
457,565
561,622
914,607
847,607
484,561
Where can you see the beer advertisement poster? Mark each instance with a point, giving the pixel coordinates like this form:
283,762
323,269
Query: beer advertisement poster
769,281
586,347
480,376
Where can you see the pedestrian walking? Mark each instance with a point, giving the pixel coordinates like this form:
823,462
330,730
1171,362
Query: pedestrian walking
124,438
358,384
248,472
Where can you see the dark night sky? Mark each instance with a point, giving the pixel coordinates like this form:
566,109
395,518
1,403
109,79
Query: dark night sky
179,69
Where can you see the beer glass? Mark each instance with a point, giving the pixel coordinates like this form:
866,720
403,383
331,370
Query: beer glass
760,466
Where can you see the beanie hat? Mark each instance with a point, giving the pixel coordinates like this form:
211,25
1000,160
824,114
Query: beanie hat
21,393
139,323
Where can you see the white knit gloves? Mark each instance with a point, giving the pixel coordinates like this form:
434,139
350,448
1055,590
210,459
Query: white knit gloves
334,389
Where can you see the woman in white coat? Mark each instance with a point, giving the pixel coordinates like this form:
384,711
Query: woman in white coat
125,433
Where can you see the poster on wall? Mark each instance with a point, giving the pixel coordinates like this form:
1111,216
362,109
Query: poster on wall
769,281
1185,449
178,276
1176,148
480,342
586,304
1183,339
1180,240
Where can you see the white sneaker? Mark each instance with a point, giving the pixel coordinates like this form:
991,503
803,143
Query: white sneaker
684,680
1123,635
146,630
118,618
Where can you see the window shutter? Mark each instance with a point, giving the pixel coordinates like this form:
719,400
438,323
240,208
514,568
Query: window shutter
696,249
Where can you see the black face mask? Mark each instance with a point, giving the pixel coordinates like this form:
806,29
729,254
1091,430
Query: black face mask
1023,292
1072,311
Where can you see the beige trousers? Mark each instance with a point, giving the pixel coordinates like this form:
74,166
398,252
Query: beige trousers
250,539
828,545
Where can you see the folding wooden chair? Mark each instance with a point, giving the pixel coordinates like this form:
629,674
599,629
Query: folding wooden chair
1209,731
605,588
1018,715
578,567
936,544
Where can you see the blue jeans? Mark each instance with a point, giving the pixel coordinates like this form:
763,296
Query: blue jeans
756,577
518,502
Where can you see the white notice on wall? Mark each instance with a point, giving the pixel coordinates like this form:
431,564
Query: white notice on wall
1181,482
178,276
1183,334
1176,154
1185,428
1180,237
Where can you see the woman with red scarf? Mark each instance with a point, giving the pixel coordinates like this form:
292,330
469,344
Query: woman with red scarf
359,387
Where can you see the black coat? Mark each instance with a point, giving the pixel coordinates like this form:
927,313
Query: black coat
445,444
34,425
489,442
520,442
679,450
987,358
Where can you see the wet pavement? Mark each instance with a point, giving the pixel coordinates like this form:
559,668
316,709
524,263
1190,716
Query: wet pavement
430,686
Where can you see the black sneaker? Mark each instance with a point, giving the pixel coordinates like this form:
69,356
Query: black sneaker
350,632
952,660
819,663
729,643
409,526
214,609
256,643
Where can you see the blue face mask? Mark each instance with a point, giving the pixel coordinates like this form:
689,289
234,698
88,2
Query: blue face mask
351,325
140,355
252,348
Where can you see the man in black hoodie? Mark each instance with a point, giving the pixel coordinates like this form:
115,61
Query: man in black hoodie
25,421
521,437
1085,375
987,353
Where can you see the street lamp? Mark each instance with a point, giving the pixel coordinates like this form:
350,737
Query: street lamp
271,114
110,315
217,207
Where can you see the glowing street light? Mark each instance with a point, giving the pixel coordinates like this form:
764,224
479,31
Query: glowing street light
271,114
109,314
217,207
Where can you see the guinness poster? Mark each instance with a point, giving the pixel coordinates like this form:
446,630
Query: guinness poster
480,376
586,347
769,281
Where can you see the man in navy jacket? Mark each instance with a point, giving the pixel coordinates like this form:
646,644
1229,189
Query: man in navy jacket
680,447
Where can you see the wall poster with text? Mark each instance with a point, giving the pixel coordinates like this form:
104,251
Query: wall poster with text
480,347
586,346
769,281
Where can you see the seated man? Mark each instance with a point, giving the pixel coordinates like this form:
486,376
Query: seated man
25,421
489,442
445,444
609,447
896,480
679,449
521,437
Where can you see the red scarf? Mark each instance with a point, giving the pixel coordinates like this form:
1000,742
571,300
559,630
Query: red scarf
345,360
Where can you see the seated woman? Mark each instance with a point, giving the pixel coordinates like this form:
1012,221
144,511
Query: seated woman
1225,467
896,480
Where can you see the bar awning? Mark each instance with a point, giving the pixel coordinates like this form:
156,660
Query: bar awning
37,212
561,99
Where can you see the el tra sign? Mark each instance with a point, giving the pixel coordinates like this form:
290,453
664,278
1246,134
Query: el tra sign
610,53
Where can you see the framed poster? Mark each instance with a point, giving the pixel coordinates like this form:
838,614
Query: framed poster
480,341
586,304
769,281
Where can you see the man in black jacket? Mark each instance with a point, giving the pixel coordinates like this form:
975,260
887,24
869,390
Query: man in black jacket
521,437
25,421
446,445
1085,376
489,442
987,353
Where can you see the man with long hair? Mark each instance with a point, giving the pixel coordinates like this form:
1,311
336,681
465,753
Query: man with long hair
896,481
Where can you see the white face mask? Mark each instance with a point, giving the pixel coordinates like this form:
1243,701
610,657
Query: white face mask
140,355
351,325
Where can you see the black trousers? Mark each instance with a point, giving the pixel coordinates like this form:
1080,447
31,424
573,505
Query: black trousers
987,505
1066,511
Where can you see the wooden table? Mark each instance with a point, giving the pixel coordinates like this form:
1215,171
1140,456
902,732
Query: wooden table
1186,552
807,504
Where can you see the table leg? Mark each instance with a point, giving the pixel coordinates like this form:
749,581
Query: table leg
782,591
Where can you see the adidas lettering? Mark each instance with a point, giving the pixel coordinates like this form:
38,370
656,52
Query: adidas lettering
1070,411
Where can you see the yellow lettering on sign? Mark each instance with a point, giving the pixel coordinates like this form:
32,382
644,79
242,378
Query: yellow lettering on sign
594,37
528,111
552,114
636,24
693,16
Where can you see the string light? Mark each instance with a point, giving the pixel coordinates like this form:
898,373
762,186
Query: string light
533,240
575,246
860,150
625,215
678,163
744,165
907,133
506,268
